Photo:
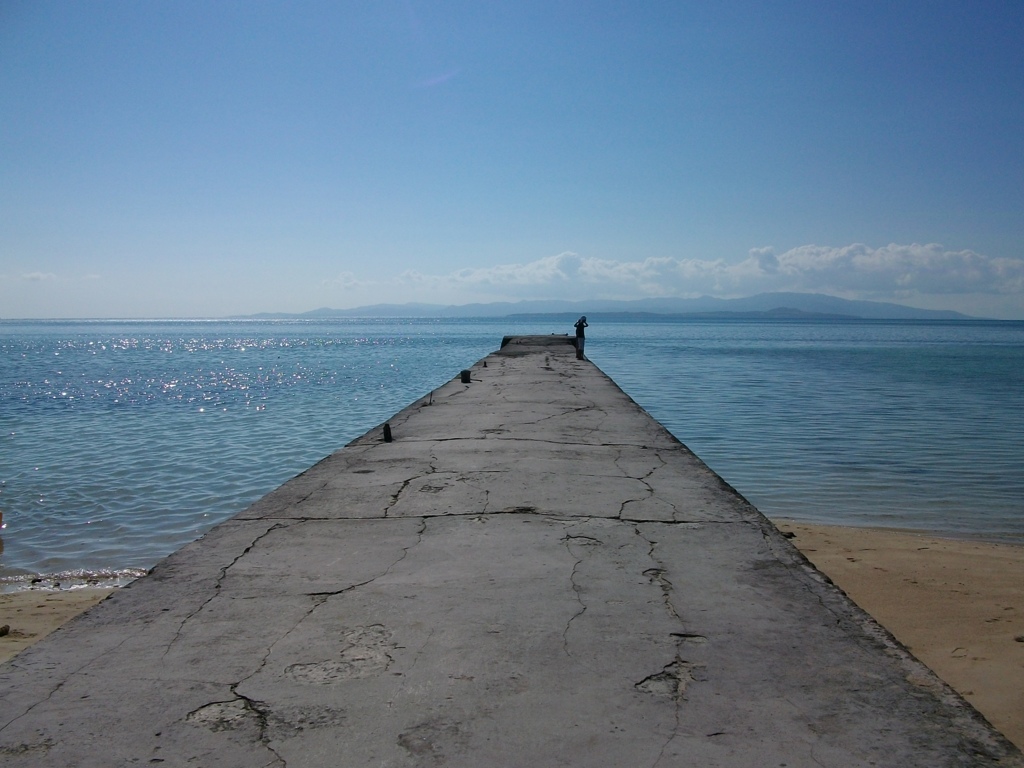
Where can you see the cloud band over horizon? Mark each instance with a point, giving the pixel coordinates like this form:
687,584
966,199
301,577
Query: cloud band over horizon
854,271
927,276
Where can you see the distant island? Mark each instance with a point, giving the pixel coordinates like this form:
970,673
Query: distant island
763,306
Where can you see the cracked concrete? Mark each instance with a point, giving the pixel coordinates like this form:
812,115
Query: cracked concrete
533,572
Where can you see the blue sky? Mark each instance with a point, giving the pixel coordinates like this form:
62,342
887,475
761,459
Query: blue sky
171,159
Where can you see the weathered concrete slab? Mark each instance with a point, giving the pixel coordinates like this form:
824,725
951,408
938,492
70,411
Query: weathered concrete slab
533,572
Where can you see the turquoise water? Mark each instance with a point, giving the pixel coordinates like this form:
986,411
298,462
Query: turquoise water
121,441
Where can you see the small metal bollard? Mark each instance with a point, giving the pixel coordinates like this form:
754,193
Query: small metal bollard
387,433
465,377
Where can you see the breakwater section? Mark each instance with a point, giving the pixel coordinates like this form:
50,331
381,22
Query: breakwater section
531,572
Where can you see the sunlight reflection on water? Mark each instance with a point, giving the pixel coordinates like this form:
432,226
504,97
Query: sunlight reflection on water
123,441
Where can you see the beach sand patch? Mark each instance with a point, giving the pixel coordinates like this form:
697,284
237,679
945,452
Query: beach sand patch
33,614
957,604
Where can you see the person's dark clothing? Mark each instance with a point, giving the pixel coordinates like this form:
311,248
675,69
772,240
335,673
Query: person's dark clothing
580,336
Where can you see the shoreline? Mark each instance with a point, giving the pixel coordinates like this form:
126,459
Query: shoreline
1004,539
956,603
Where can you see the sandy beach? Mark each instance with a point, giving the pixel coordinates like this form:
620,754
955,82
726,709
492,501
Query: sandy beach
958,605
31,615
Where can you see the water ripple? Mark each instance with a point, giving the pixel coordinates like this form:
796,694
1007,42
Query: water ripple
120,442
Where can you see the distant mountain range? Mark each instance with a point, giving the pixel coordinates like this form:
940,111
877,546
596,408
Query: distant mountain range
767,306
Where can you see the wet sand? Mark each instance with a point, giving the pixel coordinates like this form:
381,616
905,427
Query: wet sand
958,605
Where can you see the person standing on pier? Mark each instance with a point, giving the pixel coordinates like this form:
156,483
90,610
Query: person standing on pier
580,336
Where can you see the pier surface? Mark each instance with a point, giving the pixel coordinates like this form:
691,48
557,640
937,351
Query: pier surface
533,572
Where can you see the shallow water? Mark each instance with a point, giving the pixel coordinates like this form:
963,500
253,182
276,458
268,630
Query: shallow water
913,425
121,441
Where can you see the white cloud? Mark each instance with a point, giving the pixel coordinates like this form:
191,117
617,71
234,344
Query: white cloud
37,277
344,280
899,270
565,275
891,272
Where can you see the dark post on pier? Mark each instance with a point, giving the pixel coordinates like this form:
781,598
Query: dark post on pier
522,569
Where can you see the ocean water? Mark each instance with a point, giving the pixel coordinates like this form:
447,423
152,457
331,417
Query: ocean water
893,424
121,441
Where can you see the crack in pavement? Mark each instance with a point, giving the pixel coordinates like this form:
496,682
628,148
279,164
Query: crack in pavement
535,511
220,580
642,480
672,681
625,473
677,674
230,714
71,675
318,489
395,496
566,412
432,470
656,575
261,710
318,600
568,540
494,437
627,502
382,574
262,713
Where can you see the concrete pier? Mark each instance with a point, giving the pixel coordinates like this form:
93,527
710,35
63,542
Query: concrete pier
533,572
